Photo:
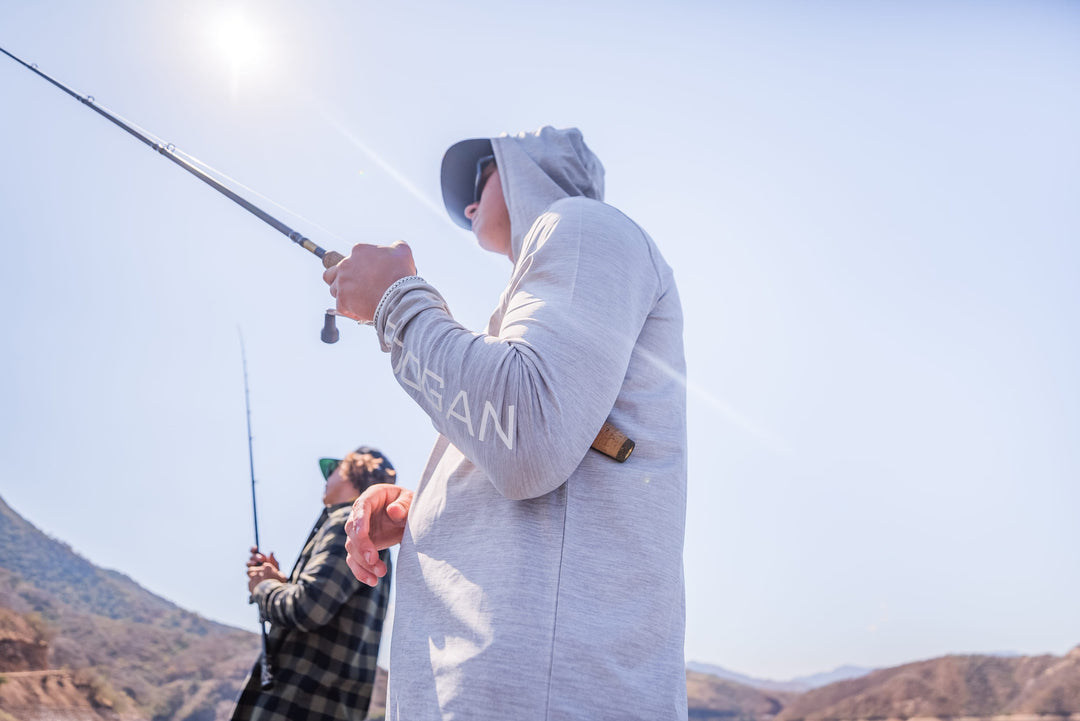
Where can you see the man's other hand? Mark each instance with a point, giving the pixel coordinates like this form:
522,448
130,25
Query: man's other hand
377,521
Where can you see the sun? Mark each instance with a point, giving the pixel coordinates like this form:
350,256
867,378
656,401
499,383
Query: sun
240,41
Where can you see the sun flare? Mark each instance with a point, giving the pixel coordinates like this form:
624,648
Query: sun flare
238,40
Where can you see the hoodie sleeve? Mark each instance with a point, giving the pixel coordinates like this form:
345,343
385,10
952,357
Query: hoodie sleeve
525,401
324,583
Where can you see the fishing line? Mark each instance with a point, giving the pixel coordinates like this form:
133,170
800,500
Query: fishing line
168,150
202,165
251,191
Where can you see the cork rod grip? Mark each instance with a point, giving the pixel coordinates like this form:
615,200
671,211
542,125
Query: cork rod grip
332,258
613,443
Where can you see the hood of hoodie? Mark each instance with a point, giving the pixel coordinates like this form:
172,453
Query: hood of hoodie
540,167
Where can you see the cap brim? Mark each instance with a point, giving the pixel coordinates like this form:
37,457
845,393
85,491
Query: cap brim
458,177
327,466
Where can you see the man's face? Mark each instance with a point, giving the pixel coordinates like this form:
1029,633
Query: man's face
490,217
338,489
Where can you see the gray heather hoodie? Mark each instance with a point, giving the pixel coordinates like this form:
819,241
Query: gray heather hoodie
538,579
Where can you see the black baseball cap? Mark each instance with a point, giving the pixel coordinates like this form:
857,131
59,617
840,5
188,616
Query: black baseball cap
458,176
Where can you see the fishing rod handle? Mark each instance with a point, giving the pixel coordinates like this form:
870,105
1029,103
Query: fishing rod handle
613,443
331,258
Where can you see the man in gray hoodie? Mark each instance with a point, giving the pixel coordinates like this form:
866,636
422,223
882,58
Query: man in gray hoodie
536,579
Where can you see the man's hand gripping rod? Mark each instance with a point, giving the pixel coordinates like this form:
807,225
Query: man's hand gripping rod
610,441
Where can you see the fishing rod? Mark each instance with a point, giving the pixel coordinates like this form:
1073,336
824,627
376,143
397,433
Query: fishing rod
266,672
610,440
329,258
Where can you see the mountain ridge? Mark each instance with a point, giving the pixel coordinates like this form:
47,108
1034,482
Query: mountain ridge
160,661
796,685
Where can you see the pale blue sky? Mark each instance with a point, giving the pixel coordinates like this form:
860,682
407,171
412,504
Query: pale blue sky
871,213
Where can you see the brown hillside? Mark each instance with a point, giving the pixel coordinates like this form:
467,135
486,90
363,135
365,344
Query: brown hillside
58,696
22,643
1055,691
951,686
131,649
31,692
184,667
709,697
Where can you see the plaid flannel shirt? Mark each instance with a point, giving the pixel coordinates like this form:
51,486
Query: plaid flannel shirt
324,634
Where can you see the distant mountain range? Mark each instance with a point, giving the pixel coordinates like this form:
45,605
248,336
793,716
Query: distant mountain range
79,643
795,685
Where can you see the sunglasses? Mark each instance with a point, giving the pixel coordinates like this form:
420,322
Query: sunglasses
478,185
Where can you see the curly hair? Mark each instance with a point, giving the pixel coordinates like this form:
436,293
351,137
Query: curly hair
366,469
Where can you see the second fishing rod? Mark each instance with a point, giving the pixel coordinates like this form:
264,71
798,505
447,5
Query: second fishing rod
266,665
610,441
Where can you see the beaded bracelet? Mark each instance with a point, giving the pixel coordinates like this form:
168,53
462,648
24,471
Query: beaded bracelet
394,286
